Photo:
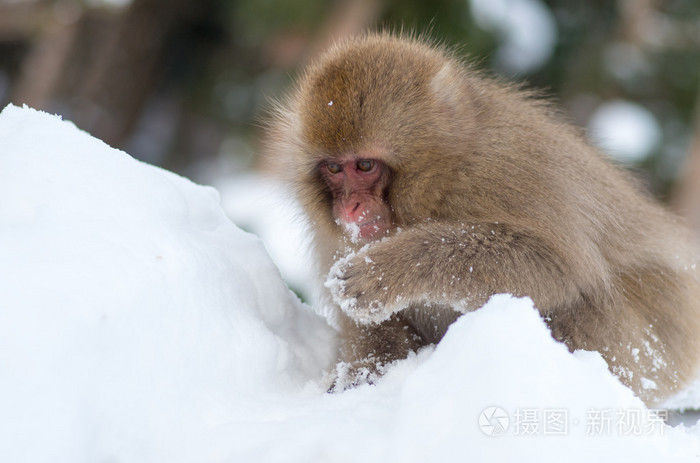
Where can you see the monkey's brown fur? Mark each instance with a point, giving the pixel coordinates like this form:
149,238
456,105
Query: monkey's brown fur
490,192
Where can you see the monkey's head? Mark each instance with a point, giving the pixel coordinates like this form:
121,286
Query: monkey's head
368,128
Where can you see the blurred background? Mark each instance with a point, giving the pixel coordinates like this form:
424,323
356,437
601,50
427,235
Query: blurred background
182,83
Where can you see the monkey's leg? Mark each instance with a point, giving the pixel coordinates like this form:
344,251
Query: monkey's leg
365,349
460,265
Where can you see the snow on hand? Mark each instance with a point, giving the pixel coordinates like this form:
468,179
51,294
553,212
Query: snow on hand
138,324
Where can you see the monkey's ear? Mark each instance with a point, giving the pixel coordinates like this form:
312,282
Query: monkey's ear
445,85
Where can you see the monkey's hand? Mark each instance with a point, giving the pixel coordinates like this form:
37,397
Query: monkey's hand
453,264
349,376
366,285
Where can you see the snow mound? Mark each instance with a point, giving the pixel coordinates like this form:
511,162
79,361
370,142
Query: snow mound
133,314
138,324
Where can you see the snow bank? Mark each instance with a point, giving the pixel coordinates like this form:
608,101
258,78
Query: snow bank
261,206
138,324
134,316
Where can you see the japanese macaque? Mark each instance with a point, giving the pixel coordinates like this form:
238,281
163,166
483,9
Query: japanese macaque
430,188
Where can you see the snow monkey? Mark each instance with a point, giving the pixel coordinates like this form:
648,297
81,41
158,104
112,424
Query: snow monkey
431,187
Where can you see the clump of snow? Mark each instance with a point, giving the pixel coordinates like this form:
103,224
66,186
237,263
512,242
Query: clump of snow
137,323
352,230
687,398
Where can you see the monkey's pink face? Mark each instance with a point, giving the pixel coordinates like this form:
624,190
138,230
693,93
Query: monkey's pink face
358,186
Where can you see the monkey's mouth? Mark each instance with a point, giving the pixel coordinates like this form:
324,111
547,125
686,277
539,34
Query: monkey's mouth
367,230
370,229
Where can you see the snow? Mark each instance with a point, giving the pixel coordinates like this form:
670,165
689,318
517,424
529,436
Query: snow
139,324
258,205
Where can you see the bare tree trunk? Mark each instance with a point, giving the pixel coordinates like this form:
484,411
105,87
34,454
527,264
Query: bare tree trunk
347,18
100,70
125,70
686,197
43,67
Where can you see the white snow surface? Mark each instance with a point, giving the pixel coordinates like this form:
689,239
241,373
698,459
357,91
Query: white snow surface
139,324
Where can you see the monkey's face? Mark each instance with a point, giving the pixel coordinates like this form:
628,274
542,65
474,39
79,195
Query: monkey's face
358,190
369,126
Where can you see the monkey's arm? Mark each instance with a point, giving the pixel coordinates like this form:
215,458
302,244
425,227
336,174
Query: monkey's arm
457,264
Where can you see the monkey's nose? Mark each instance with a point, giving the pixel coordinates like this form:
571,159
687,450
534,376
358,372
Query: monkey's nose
350,210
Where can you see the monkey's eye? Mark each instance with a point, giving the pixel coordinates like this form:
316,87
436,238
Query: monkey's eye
333,167
365,165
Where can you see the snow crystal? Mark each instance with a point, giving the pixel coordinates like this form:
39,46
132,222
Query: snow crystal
648,383
635,354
